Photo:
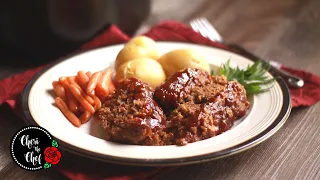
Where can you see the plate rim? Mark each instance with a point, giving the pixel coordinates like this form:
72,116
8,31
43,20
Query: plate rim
262,136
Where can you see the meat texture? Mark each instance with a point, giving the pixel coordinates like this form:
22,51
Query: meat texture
207,106
190,106
187,85
130,115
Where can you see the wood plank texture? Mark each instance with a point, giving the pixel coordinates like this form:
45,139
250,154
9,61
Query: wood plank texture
287,31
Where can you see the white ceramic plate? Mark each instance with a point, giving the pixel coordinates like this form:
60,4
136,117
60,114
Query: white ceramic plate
266,115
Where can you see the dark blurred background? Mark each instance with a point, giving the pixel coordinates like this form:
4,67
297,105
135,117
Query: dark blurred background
46,29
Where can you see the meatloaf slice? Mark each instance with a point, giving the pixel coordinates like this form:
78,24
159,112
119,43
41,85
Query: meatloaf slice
201,94
131,116
192,122
236,98
188,85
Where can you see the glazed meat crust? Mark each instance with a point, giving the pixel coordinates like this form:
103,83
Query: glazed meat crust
200,106
192,122
190,106
178,87
130,115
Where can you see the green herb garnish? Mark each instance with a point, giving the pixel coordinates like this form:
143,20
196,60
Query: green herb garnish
253,78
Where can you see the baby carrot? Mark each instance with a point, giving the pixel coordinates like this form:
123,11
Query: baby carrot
93,81
72,102
102,87
85,117
89,74
71,80
97,102
86,97
82,79
111,86
67,113
81,109
64,82
59,90
77,94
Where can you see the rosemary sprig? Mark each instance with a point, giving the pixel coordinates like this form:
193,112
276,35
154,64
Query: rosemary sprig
253,78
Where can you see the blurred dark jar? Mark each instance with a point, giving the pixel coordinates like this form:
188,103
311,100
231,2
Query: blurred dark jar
49,28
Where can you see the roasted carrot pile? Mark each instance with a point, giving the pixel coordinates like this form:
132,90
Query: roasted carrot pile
79,97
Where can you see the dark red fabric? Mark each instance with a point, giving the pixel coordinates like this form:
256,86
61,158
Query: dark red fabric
11,87
310,93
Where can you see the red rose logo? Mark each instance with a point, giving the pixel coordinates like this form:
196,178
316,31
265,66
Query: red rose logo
52,155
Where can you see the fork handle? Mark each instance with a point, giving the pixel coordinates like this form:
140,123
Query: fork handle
292,80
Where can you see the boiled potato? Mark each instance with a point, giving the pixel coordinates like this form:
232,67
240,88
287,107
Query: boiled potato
147,43
137,47
179,59
128,53
144,69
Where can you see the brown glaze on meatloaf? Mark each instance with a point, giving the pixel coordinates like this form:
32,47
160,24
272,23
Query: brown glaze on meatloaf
197,106
130,115
192,122
187,85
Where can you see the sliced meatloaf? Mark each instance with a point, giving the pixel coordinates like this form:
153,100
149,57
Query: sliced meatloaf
131,116
192,122
188,85
199,106
190,106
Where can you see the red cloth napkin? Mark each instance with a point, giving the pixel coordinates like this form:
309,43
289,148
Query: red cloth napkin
10,88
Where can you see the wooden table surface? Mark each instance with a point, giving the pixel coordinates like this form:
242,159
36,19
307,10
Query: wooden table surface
287,31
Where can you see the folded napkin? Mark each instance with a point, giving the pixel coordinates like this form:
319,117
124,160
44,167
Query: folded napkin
10,88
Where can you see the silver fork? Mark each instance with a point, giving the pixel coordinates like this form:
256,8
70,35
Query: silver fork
206,29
